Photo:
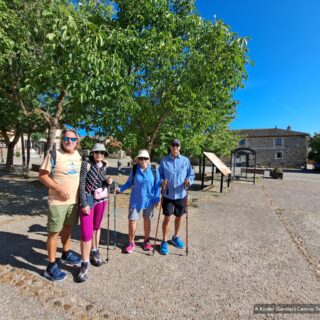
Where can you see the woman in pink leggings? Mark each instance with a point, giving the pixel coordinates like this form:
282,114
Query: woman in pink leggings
93,201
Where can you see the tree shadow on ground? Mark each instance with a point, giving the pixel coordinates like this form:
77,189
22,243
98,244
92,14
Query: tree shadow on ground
23,252
22,197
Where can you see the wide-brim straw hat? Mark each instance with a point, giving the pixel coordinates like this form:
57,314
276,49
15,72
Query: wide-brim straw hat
99,147
143,154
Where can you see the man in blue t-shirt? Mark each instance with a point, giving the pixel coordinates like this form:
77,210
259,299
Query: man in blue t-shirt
176,176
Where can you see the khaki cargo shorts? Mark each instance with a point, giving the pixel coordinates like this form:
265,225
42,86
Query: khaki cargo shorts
58,216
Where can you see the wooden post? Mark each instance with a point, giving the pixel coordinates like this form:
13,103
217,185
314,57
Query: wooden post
203,170
221,183
212,174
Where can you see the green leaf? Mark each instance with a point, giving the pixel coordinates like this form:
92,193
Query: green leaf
50,36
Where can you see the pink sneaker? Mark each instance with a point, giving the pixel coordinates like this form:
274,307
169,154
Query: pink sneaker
130,247
147,245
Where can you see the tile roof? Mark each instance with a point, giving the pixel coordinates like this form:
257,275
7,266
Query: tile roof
275,132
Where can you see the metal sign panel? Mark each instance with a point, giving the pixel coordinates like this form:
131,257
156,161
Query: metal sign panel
218,163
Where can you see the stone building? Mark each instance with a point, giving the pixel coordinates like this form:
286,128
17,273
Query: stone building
276,147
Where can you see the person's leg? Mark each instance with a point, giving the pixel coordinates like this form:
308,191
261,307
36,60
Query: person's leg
167,206
179,211
146,227
147,216
65,235
53,271
72,217
177,223
133,216
52,246
97,221
55,223
86,227
95,257
132,230
56,216
165,228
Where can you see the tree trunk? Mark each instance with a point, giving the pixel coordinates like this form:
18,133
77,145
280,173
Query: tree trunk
10,146
23,150
28,153
149,148
10,154
51,134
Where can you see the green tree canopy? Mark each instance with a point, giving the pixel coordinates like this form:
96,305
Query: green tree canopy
181,72
314,153
55,59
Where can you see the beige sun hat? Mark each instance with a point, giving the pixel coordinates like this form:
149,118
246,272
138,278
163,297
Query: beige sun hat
143,154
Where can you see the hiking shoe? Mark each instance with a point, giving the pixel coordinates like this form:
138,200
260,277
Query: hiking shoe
164,249
70,258
83,273
130,247
177,242
95,258
54,273
147,245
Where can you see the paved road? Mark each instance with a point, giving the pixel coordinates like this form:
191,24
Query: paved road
252,244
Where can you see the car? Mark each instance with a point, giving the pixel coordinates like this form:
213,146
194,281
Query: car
317,166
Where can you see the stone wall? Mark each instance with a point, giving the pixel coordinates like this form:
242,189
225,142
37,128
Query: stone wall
293,149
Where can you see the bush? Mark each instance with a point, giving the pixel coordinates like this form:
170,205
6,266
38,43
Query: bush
18,154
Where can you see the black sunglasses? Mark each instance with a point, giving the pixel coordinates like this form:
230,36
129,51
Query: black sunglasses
99,152
175,145
143,158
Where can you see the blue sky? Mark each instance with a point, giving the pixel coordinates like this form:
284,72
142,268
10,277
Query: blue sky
283,87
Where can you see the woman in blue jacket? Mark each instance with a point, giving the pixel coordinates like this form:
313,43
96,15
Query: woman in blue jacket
145,195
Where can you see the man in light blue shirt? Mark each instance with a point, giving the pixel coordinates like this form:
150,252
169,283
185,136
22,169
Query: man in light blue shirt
176,176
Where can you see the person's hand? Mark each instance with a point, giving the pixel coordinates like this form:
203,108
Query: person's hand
109,180
156,205
164,183
62,193
187,183
86,210
118,191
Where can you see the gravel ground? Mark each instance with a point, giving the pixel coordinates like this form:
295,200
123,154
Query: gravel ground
251,244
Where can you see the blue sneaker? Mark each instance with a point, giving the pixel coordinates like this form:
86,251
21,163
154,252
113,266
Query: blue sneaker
71,258
164,248
177,242
54,273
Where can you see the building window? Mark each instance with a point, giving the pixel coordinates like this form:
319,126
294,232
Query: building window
242,142
279,155
278,142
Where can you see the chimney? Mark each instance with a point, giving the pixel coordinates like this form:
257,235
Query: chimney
289,128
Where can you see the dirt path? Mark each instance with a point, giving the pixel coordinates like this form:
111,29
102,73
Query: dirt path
242,252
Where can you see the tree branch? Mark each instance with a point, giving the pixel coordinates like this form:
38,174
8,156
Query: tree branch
59,103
